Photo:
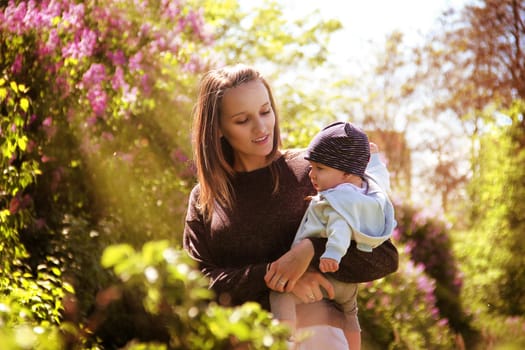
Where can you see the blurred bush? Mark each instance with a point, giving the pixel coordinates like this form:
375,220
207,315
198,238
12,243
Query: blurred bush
93,107
400,312
95,99
425,239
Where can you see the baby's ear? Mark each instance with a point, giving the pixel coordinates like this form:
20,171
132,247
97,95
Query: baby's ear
373,148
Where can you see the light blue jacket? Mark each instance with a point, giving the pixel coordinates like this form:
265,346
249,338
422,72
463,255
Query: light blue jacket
343,213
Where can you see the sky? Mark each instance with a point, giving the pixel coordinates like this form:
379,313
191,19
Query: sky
367,23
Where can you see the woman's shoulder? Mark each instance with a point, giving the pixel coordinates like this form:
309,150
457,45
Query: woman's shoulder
294,156
296,164
195,192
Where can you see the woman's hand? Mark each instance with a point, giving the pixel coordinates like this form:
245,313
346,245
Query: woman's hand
308,287
285,271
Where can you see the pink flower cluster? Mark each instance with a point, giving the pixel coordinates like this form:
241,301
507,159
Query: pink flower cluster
77,41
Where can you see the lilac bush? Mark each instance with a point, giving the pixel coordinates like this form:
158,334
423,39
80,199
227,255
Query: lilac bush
92,101
401,312
427,243
95,74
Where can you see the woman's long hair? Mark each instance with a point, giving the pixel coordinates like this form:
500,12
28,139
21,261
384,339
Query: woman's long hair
213,155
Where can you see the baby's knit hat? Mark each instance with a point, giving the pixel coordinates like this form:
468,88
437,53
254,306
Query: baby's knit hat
341,146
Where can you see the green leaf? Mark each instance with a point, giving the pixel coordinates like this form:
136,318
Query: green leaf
68,288
14,86
23,88
22,143
24,103
152,251
115,254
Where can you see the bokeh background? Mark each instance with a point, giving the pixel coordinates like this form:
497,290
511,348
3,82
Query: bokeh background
95,116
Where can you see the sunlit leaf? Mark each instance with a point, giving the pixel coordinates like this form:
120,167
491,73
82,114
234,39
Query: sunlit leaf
115,254
24,104
14,86
22,143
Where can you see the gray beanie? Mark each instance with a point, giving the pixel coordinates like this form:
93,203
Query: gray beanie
341,146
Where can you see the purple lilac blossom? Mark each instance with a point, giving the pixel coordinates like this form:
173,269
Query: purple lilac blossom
117,57
82,46
98,99
16,67
95,75
118,81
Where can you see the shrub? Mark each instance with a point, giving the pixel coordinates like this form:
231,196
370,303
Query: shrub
427,242
74,76
400,310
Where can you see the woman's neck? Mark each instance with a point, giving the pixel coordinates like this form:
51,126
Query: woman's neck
247,164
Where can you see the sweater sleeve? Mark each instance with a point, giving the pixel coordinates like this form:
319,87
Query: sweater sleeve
358,266
232,286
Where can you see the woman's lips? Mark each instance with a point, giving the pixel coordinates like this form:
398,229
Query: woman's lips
261,139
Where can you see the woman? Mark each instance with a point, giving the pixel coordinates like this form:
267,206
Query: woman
244,212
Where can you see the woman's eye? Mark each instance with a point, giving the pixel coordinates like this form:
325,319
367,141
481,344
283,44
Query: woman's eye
267,111
241,121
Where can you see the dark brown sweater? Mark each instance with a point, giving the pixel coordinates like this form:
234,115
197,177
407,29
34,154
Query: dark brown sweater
235,247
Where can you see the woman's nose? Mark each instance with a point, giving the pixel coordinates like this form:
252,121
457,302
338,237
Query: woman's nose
260,125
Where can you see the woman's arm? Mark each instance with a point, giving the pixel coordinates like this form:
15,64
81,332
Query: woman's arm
358,266
233,286
355,267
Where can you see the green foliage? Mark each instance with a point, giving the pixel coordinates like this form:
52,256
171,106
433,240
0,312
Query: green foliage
427,241
497,217
400,310
83,162
176,292
19,327
492,251
30,298
16,176
303,114
270,37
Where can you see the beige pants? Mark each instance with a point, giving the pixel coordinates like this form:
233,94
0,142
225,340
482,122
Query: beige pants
321,338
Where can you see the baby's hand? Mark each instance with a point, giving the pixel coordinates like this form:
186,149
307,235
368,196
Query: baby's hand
328,265
373,148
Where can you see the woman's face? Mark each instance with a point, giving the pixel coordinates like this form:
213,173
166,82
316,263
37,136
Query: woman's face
324,177
247,122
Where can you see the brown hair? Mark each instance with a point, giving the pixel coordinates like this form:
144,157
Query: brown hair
213,155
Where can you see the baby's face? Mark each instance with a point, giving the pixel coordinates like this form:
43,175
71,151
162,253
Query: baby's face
324,177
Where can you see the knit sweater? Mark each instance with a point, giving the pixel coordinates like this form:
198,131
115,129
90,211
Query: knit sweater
234,248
